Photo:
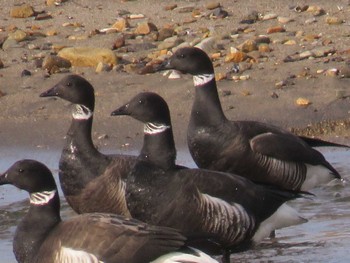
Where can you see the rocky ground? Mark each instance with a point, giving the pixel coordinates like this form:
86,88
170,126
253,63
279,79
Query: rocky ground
283,62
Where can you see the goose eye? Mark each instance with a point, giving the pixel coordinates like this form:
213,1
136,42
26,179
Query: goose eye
140,101
69,84
21,170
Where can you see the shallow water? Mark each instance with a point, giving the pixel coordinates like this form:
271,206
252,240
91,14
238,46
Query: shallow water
325,238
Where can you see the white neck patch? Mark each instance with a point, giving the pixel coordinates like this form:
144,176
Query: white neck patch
82,112
154,128
42,198
199,80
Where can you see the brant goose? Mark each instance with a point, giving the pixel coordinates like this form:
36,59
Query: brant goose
223,209
42,236
256,150
90,180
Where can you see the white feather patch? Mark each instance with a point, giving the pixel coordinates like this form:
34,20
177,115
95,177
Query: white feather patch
42,198
284,216
155,128
69,255
199,80
81,112
177,257
316,176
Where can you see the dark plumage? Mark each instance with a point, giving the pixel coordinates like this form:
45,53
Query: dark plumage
42,236
90,180
256,150
222,210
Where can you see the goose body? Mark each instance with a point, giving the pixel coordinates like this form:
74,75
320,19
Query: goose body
91,181
261,152
93,237
213,209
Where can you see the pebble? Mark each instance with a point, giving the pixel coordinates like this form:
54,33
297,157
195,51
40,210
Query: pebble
170,7
207,44
332,20
303,102
121,24
212,5
185,9
284,20
174,74
119,42
103,67
145,28
235,56
53,64
269,17
88,56
316,10
165,33
251,18
19,35
248,46
276,29
1,64
26,73
22,11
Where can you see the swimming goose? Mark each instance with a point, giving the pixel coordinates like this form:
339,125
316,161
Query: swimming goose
261,152
91,181
226,211
42,236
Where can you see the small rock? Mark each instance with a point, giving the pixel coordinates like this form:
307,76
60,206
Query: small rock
207,44
268,17
22,11
43,16
251,18
264,48
136,16
333,72
119,42
303,102
212,5
218,13
52,63
145,28
185,9
274,95
220,76
276,29
102,67
248,46
235,56
164,33
310,21
170,42
9,43
121,24
51,32
332,20
316,10
284,20
26,73
170,7
174,75
18,35
1,64
88,56
290,42
344,71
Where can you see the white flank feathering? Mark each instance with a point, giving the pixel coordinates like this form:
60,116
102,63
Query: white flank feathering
42,198
69,255
316,176
179,257
199,80
283,217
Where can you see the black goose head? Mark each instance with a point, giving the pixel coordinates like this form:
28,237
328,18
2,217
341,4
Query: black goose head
75,89
29,175
147,107
189,60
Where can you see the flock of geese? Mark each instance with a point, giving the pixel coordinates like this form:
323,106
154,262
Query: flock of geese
146,208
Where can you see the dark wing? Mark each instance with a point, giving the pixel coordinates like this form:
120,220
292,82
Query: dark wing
108,238
314,142
288,148
105,193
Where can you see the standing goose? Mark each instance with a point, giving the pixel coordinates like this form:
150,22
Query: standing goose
229,212
42,236
90,180
256,150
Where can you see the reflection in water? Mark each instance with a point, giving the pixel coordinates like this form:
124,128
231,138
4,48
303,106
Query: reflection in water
325,238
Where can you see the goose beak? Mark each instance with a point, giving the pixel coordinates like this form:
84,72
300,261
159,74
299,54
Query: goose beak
165,65
51,92
123,110
3,179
